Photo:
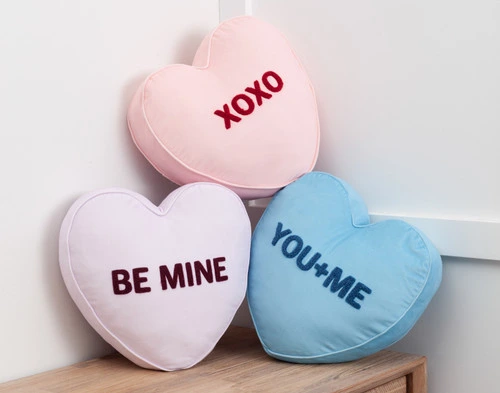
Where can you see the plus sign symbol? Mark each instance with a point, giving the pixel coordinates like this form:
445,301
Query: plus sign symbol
321,270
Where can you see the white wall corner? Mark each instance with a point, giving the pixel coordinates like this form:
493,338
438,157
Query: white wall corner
231,8
464,237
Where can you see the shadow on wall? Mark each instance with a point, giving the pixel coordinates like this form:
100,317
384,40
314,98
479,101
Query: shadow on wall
242,316
76,335
186,48
159,187
458,332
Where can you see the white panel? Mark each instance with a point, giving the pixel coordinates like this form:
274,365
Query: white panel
459,331
67,74
408,94
460,237
231,8
466,237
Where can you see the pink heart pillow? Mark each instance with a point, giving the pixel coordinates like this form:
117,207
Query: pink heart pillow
243,115
161,284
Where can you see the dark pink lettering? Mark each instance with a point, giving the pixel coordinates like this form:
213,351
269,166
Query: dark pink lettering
227,116
277,80
245,105
258,92
235,103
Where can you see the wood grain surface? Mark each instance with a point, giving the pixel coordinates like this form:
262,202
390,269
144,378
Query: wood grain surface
237,364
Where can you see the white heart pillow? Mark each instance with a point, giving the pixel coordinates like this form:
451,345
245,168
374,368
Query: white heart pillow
162,283
244,115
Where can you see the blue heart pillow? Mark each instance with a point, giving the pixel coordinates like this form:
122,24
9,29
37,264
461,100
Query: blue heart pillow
325,285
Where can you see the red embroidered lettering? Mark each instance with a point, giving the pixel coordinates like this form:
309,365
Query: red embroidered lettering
189,274
227,116
250,105
258,92
138,280
271,80
118,282
200,270
122,284
218,269
277,80
181,275
173,280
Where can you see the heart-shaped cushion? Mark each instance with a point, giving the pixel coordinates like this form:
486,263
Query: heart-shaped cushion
325,285
162,283
243,115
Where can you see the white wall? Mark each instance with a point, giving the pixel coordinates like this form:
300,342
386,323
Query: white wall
459,330
68,70
423,76
413,83
67,73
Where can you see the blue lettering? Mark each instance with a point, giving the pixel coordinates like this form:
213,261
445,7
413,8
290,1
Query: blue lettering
336,284
311,262
321,270
293,246
280,234
355,294
297,248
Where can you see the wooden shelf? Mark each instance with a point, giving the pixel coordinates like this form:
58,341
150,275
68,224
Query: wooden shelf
237,364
